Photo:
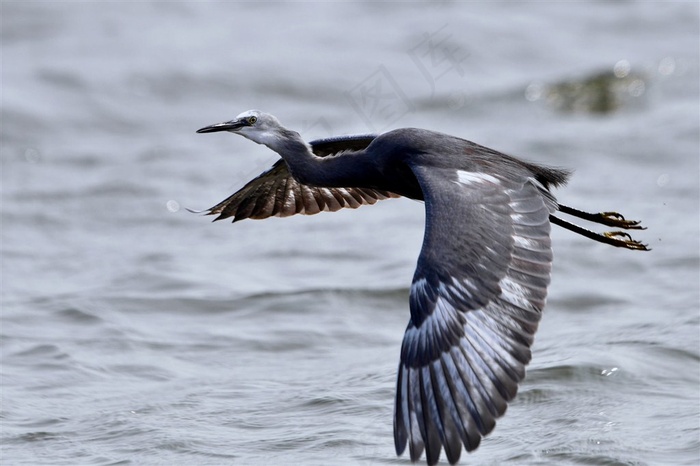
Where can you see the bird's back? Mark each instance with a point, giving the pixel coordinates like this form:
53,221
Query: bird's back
396,149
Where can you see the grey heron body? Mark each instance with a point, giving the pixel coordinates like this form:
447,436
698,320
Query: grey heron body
482,274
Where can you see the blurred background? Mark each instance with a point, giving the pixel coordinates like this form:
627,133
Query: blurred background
135,332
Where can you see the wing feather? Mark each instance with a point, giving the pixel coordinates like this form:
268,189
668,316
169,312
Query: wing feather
275,193
476,300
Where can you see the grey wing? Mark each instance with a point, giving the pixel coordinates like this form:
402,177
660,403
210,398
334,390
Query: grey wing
275,192
476,300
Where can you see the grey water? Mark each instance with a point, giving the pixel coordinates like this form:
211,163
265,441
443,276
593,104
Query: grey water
135,332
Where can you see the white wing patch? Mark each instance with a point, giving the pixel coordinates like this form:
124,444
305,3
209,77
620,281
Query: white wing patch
526,243
470,178
515,293
424,338
464,286
419,286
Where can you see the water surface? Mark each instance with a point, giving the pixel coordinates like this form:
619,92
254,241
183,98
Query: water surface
134,332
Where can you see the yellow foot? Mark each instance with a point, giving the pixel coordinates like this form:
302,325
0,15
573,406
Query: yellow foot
624,240
615,219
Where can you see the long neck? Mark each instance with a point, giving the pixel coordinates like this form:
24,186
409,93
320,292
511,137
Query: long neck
348,169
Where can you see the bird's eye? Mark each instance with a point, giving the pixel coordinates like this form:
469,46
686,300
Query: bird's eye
252,120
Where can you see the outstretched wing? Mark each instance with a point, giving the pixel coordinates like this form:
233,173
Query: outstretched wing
276,193
476,300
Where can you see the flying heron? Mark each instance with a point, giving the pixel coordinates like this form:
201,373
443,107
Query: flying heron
482,274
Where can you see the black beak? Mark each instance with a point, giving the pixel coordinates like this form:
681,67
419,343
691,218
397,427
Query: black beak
226,126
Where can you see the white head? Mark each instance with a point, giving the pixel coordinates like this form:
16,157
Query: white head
255,125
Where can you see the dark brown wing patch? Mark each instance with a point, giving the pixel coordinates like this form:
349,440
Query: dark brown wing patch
275,193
